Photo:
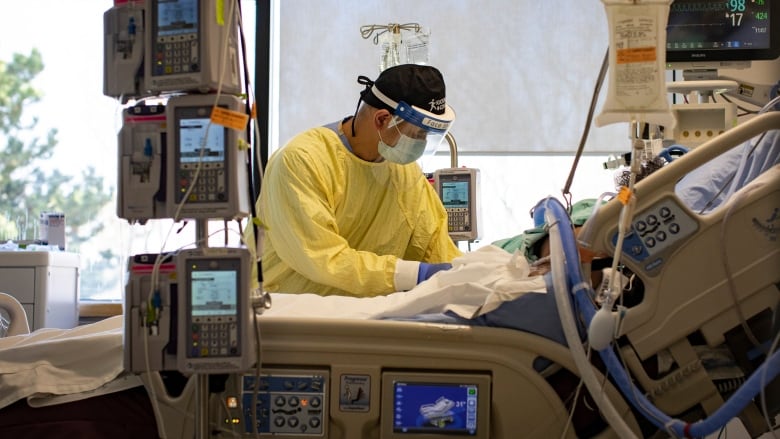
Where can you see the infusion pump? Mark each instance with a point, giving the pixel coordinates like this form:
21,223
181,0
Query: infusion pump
184,159
458,189
153,47
189,311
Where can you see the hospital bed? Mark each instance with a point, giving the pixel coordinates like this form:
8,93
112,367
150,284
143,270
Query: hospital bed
346,369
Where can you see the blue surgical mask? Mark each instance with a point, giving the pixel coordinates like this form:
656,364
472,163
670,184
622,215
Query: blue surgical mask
405,151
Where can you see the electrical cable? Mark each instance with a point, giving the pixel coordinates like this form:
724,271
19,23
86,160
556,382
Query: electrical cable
153,394
770,105
764,383
727,266
586,129
256,388
576,396
746,111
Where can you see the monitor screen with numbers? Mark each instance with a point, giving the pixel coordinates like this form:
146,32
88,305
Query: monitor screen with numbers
722,34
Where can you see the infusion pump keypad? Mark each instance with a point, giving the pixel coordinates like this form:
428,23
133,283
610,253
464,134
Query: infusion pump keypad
458,219
176,54
210,186
214,337
287,403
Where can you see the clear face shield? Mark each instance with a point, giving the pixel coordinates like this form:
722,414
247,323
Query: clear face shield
421,131
422,125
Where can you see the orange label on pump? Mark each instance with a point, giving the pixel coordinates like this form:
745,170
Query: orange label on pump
228,118
636,54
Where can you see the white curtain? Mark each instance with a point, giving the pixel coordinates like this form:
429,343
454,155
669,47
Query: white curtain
520,73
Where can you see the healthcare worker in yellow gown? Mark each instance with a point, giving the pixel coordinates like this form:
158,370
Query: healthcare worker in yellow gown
346,208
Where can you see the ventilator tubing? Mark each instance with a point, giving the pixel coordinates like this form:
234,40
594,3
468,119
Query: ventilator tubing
563,250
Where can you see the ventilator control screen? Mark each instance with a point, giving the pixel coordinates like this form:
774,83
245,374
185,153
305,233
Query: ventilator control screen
435,408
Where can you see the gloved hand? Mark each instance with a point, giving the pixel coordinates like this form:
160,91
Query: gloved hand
428,270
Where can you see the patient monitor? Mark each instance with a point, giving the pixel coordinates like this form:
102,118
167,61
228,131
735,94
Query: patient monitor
458,189
703,37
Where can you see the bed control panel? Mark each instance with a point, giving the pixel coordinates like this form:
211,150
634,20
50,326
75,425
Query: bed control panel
288,402
655,232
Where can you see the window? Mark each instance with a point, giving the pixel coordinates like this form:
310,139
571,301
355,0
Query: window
69,37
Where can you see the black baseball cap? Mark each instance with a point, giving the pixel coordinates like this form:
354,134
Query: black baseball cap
421,86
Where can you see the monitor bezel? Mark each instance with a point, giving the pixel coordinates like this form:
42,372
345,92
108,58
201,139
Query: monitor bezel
729,58
481,380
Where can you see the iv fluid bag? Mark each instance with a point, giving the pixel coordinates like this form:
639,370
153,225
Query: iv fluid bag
402,48
637,55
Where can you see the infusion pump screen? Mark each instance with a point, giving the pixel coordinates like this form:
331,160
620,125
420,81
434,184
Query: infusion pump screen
214,293
177,17
449,408
455,194
191,134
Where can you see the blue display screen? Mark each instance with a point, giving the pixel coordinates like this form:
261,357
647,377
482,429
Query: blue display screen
177,17
441,408
455,194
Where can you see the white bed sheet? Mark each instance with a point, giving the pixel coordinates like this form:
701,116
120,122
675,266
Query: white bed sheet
50,366
477,283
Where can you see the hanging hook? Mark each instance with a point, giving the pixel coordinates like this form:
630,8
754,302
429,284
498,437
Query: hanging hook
366,31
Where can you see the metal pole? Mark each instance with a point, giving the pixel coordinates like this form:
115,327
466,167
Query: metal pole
202,406
202,233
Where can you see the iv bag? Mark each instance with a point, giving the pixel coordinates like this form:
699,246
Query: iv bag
402,48
637,48
417,48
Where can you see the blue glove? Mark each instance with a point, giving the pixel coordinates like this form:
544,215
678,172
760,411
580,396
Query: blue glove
428,270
